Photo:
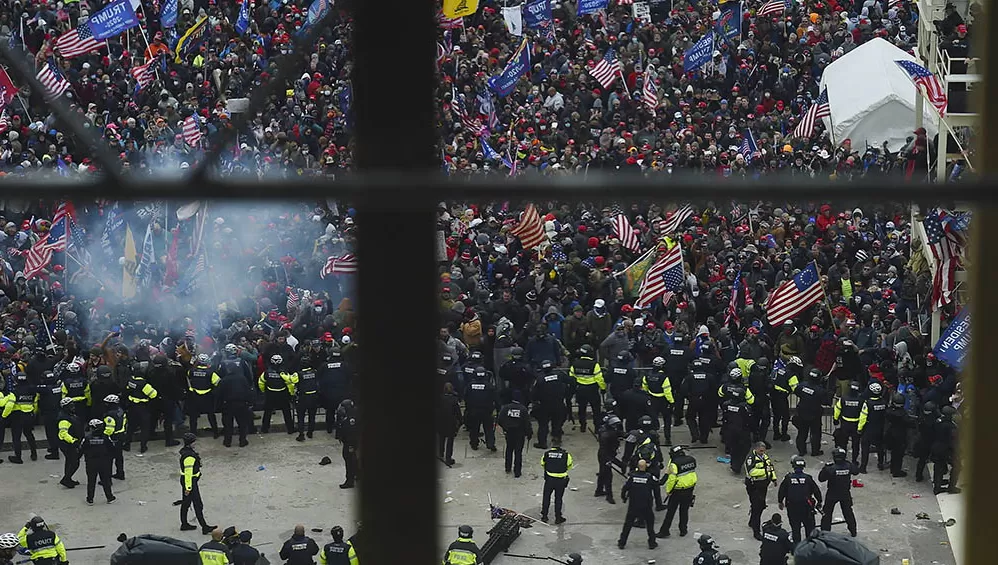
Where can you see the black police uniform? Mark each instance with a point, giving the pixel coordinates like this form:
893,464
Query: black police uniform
299,550
758,382
838,474
873,433
923,445
943,454
244,554
98,451
515,423
20,422
776,545
549,393
276,396
49,396
70,435
192,498
850,416
637,492
620,376
677,366
699,389
782,384
236,397
633,404
801,496
74,385
556,463
348,432
201,399
736,432
810,398
115,417
307,392
898,422
480,399
609,444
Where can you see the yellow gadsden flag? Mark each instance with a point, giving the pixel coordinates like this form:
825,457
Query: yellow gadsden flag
128,268
459,8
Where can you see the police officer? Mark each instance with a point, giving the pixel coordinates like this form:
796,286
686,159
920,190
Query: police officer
782,384
776,545
19,411
735,388
98,451
899,421
637,493
758,382
214,552
708,551
736,425
202,381
307,391
516,375
699,389
873,433
480,399
838,474
190,476
70,434
609,443
677,365
140,392
621,374
76,387
115,424
515,424
800,496
334,383
549,406
634,404
8,547
235,394
42,544
475,360
926,437
241,552
103,384
556,463
338,552
278,387
299,549
589,384
659,387
348,432
167,377
682,471
462,551
759,473
944,452
850,415
49,395
811,396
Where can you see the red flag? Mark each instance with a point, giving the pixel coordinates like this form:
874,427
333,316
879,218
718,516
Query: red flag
7,89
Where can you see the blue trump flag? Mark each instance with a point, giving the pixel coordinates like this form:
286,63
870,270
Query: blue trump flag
168,13
242,24
698,55
316,11
729,23
955,341
592,6
113,19
504,83
536,13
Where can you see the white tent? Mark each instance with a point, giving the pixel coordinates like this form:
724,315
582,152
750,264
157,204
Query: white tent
871,99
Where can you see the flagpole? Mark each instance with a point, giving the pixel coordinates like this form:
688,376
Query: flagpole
636,261
623,81
824,292
942,120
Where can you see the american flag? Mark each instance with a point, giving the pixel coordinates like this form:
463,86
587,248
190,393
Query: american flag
649,93
294,297
732,313
774,7
675,219
923,78
191,278
4,122
38,257
605,72
191,130
145,74
794,296
748,148
590,43
58,236
810,118
53,81
895,3
76,42
449,23
622,227
530,230
624,2
945,247
343,265
664,276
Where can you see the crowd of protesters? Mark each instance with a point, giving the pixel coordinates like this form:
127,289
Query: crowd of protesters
557,120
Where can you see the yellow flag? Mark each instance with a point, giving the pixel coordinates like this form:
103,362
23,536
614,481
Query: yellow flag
459,8
128,269
192,39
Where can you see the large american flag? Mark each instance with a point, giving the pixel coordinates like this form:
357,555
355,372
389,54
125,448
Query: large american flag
191,130
606,70
58,236
38,257
76,42
448,23
945,248
649,93
530,230
923,78
53,81
342,265
622,227
774,7
145,74
818,110
4,122
675,219
732,313
664,276
794,296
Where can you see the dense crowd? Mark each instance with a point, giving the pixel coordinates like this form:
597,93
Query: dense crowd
558,118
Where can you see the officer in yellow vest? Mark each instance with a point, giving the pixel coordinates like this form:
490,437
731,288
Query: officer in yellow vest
463,551
556,463
759,473
140,392
850,415
278,388
43,545
21,406
202,381
682,471
589,377
214,552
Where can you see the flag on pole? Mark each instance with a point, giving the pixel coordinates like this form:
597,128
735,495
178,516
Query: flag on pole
78,41
449,23
923,78
665,275
530,230
634,274
675,219
243,22
748,149
128,288
342,265
143,273
794,296
606,70
625,233
774,7
144,75
945,247
189,282
649,93
191,130
818,110
58,236
7,89
53,81
732,313
38,257
4,122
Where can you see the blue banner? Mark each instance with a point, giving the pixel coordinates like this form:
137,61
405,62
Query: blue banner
504,83
242,24
591,6
729,23
699,54
536,13
168,13
113,20
955,341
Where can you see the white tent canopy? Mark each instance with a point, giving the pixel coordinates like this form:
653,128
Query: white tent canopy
871,99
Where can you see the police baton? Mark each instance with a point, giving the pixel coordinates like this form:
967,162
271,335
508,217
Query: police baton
536,557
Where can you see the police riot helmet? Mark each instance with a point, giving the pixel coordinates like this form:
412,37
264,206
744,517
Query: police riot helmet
445,358
276,359
21,377
839,454
476,355
897,399
516,352
798,462
610,405
929,407
73,367
814,374
337,533
479,371
876,388
735,375
624,356
613,421
231,349
9,541
722,559
854,386
67,403
658,362
111,399
679,338
189,438
546,364
465,531
706,542
638,382
948,412
586,349
203,359
347,403
96,424
677,450
645,423
104,371
37,523
763,362
794,360
574,559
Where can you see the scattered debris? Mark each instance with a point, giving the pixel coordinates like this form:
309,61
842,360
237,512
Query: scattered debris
260,468
317,530
916,496
325,460
588,482
448,499
950,522
739,505
573,488
895,511
54,476
857,484
922,516
651,562
721,459
449,492
140,502
466,494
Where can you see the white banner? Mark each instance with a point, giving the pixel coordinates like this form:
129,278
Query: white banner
514,20
640,11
